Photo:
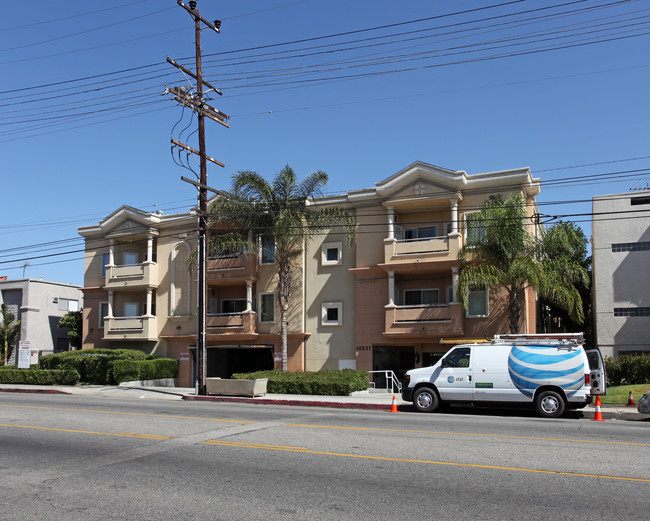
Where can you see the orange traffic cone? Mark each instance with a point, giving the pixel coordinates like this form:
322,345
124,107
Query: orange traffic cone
599,415
630,400
394,407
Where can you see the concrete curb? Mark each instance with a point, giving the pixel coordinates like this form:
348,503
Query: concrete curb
275,401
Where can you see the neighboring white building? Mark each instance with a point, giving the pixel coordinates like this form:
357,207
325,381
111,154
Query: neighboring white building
621,272
39,305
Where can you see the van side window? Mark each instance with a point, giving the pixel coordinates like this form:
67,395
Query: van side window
458,358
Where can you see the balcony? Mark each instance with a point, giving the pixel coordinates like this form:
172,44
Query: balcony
429,320
232,268
231,323
443,248
130,328
132,276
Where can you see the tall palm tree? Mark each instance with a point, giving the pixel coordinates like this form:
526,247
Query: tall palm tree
283,214
9,331
501,252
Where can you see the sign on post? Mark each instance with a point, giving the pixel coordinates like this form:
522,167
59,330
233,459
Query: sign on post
24,354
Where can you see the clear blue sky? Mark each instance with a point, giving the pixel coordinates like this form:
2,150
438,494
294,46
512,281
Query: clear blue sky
357,88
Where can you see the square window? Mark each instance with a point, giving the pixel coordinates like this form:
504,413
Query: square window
267,307
332,314
332,254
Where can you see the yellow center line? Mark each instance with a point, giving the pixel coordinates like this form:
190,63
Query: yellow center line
76,431
428,462
127,413
506,436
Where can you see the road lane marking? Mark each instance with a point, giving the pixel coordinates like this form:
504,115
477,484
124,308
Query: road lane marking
506,436
127,413
428,462
76,431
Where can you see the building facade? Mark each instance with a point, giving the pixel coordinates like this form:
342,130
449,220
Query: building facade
386,302
39,305
621,279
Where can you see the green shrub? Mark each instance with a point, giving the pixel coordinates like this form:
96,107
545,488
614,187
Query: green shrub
328,383
13,375
628,370
130,370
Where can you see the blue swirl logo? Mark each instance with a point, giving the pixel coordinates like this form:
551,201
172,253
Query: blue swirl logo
533,365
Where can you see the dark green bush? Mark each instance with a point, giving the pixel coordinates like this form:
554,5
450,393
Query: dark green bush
628,369
13,375
130,370
328,383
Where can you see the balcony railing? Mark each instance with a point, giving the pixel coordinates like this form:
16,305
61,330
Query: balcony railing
132,275
437,319
434,248
232,267
231,323
130,328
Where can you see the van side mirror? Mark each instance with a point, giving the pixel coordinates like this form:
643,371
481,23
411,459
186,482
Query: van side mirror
443,363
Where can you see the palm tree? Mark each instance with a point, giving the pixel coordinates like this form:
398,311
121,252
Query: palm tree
501,252
9,331
283,215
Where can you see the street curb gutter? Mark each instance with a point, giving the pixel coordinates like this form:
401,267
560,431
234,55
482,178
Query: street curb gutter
268,401
33,391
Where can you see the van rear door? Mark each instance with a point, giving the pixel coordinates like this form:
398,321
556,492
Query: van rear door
597,372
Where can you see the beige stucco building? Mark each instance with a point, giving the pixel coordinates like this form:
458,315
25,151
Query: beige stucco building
385,302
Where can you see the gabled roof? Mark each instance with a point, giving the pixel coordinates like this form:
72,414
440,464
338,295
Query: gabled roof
127,220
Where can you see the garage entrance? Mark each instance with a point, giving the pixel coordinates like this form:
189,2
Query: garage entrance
224,361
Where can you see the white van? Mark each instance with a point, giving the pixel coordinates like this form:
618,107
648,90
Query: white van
553,372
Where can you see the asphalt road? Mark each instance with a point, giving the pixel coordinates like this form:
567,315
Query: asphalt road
71,458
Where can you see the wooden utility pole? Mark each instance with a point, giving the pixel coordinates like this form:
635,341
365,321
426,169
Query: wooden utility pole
195,101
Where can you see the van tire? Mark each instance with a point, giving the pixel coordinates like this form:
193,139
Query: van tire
550,404
426,399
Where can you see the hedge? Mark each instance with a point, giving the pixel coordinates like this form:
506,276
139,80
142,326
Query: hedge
628,369
13,375
96,366
130,370
328,383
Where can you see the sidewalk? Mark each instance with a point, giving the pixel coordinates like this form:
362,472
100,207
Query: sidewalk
359,400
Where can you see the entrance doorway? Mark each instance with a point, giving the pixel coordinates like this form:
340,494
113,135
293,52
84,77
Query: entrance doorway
398,359
225,361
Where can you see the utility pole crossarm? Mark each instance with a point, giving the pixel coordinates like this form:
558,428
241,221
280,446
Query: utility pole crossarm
190,73
198,153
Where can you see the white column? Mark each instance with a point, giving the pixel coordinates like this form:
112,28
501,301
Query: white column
454,283
391,289
249,296
111,252
391,223
454,216
110,304
149,248
149,302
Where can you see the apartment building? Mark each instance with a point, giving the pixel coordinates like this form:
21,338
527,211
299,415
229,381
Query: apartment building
39,305
621,279
385,302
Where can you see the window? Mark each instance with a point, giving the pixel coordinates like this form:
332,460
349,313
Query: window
267,307
131,309
450,295
268,250
474,229
632,312
129,258
423,232
103,313
105,260
639,200
630,246
457,358
420,297
332,314
477,303
332,254
66,304
233,305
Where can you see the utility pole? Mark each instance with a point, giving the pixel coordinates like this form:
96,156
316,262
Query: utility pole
196,102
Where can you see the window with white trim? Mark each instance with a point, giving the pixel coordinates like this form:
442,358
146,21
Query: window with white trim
267,255
474,229
332,254
267,307
106,258
420,297
103,313
68,304
332,314
477,302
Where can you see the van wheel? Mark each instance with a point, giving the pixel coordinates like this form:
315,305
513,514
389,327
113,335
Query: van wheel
426,399
549,404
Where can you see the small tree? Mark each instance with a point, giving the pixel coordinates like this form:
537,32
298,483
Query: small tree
501,252
9,332
280,214
74,321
